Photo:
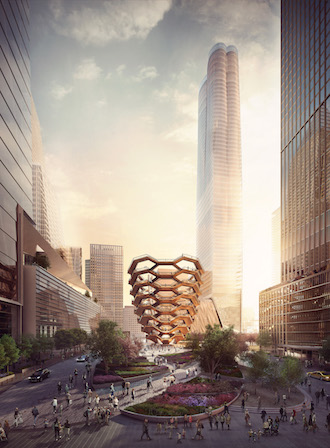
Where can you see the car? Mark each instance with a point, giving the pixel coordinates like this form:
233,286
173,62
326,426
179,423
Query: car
81,358
39,375
323,376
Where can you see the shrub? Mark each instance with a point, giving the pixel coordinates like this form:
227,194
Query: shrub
102,379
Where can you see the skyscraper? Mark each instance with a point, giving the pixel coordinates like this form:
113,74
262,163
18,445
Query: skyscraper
15,154
297,312
219,185
106,280
45,206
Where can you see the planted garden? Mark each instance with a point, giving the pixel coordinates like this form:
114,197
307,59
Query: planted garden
193,397
139,366
180,358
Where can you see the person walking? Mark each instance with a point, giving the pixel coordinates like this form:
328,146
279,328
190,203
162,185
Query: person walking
228,420
222,420
71,381
127,386
315,427
190,421
54,404
281,413
7,428
16,416
67,429
59,388
145,429
216,421
247,417
305,422
115,404
185,421
243,404
317,397
75,373
68,399
133,394
56,427
263,415
35,414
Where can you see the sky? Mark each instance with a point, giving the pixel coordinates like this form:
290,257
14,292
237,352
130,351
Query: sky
115,83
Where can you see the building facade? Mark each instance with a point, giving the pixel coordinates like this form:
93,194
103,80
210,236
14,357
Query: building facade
15,154
106,279
46,213
131,325
73,257
276,246
297,312
219,185
166,296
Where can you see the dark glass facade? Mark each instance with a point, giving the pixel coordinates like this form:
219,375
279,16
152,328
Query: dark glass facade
15,151
297,311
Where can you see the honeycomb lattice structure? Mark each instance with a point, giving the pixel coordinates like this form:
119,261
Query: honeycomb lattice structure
166,295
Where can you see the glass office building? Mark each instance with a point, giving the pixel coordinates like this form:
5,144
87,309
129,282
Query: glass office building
219,185
106,280
15,153
297,312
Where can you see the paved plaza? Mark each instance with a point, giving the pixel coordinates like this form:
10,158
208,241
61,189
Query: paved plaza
126,432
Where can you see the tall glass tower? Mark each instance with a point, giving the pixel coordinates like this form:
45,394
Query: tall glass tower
297,312
106,280
15,154
219,185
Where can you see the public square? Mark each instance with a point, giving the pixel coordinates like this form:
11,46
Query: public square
125,432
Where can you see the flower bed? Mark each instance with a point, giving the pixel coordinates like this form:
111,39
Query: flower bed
233,371
103,379
180,358
187,398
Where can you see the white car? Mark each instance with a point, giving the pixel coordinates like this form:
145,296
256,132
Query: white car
81,358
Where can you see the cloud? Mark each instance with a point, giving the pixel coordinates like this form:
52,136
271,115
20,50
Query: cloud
149,72
120,69
59,92
87,70
101,103
107,21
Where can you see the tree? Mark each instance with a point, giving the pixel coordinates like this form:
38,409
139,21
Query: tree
274,375
105,341
241,340
79,336
63,340
3,358
325,350
219,347
258,365
11,350
264,339
130,349
25,346
87,293
42,260
292,372
193,343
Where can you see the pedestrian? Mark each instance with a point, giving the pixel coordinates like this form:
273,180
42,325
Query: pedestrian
90,396
66,388
285,415
46,424
315,427
56,427
247,417
317,396
3,435
190,421
61,408
216,420
243,404
54,404
263,415
228,420
312,406
16,414
35,414
170,428
123,387
115,403
112,389
75,376
328,422
59,387
305,423
71,381
7,428
226,408
222,420
145,429
97,400
327,403
185,421
133,394
281,413
67,429
211,420
310,423
127,386
68,399
284,399
179,438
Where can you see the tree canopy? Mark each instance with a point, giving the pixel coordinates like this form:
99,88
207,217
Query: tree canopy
264,339
10,348
219,347
105,341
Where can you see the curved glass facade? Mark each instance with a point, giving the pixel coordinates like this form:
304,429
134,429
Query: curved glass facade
219,185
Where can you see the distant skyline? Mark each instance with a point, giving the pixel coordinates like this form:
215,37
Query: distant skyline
116,84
